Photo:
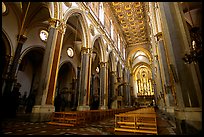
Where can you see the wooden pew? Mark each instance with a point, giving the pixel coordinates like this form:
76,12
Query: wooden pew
75,118
137,121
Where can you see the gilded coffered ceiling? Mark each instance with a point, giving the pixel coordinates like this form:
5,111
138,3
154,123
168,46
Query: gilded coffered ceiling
131,17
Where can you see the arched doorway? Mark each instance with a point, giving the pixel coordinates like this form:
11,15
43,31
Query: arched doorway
72,49
28,76
65,89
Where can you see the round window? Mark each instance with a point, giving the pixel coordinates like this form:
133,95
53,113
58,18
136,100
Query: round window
43,35
97,69
70,52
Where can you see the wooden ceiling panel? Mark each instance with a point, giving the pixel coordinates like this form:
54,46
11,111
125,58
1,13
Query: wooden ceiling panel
131,18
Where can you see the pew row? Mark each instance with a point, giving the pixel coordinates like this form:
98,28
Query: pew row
76,118
137,121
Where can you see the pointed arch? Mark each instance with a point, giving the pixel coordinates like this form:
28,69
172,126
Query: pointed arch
33,47
101,45
68,61
111,59
140,64
82,19
132,52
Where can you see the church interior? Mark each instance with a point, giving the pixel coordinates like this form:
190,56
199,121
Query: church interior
132,67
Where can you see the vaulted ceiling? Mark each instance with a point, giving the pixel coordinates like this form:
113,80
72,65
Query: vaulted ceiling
131,17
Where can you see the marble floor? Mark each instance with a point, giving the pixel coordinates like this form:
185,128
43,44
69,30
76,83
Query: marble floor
105,127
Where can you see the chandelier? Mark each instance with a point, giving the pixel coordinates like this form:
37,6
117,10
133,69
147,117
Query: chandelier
195,53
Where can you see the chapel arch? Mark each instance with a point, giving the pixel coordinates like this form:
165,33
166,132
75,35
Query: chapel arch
65,87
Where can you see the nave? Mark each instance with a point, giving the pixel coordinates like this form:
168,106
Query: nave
97,57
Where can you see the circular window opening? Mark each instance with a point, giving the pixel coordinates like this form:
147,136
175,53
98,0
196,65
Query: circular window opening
43,35
70,52
97,69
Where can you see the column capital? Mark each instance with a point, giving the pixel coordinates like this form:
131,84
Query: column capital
21,38
85,50
58,24
62,26
53,22
113,72
103,64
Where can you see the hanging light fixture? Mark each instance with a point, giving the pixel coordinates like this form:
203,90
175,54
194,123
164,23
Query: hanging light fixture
195,52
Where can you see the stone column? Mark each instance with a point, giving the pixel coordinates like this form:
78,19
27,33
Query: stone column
113,89
169,102
11,77
5,74
188,112
125,88
13,67
103,85
84,92
159,83
128,87
119,84
158,89
92,89
44,101
76,94
138,85
131,88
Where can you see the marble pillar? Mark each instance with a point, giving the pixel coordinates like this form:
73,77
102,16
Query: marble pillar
125,87
168,97
129,87
13,67
188,110
103,85
85,79
5,77
11,77
76,94
44,101
113,89
159,83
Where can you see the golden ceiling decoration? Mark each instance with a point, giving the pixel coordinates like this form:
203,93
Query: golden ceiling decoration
131,18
